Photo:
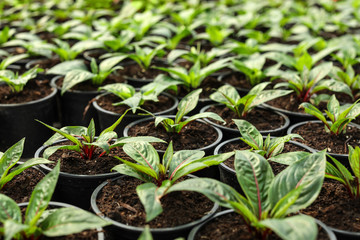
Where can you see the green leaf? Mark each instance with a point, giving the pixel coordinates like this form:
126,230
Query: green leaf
66,221
250,134
227,95
22,167
289,158
187,104
10,157
150,195
50,150
354,159
311,109
143,153
71,130
121,90
255,177
181,157
41,196
281,207
12,59
146,234
332,85
109,63
12,228
123,140
67,66
9,209
292,228
75,77
308,172
267,95
134,170
333,107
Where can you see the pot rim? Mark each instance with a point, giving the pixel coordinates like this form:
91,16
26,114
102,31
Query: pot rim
51,95
57,77
217,141
282,128
100,109
40,150
97,211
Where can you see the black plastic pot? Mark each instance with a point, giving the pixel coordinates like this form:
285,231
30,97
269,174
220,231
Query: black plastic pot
72,106
228,175
107,118
345,235
195,230
231,133
343,158
294,117
18,121
122,231
212,171
100,234
75,189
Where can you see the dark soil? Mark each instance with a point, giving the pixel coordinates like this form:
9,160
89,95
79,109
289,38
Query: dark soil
136,72
22,185
87,86
240,145
34,90
45,63
209,85
106,102
316,137
118,200
195,135
72,162
231,227
335,208
262,119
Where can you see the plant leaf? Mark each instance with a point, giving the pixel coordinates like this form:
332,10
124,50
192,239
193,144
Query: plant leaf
354,159
187,104
12,228
9,209
10,157
74,77
67,66
250,134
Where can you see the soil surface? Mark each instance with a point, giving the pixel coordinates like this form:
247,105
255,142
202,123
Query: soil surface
118,200
231,227
195,135
33,90
262,119
106,102
45,63
72,162
22,185
135,71
316,137
240,145
335,208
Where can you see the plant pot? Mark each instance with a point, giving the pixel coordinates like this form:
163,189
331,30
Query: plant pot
107,118
208,149
343,158
75,189
72,106
44,63
232,132
18,121
100,232
195,230
123,231
228,174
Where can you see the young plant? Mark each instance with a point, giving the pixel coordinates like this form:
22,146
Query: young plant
16,82
229,96
135,99
196,54
341,174
216,35
160,176
144,56
268,200
120,43
271,148
311,81
339,116
253,68
84,139
38,221
187,104
67,53
10,157
349,78
97,76
193,77
5,34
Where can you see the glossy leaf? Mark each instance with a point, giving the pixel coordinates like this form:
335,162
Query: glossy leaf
255,177
134,170
66,221
9,209
41,196
187,104
67,66
183,156
12,228
122,90
75,77
354,160
289,158
250,134
292,228
308,173
10,157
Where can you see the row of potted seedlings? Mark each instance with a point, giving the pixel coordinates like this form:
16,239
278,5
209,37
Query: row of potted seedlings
271,184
